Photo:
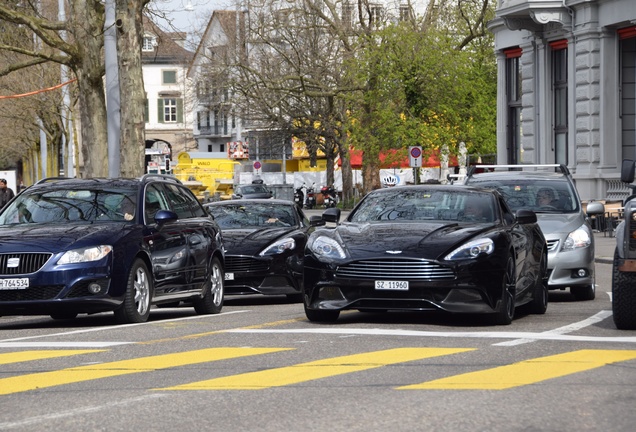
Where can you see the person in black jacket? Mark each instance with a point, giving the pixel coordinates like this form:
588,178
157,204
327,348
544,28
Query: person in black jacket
5,193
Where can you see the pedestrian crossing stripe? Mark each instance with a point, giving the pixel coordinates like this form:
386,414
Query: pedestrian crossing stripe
527,372
40,380
22,356
329,367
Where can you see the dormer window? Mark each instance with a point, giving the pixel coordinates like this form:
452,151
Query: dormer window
149,43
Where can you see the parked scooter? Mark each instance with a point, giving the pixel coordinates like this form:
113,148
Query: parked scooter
311,197
299,196
330,196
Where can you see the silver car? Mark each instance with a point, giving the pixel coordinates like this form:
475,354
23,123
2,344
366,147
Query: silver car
549,191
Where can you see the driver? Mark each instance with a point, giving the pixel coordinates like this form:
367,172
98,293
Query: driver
545,197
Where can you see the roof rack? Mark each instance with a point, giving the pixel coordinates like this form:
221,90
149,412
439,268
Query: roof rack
161,176
557,168
52,179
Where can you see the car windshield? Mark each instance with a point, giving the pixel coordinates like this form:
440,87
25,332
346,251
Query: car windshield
542,196
422,204
52,206
237,216
252,189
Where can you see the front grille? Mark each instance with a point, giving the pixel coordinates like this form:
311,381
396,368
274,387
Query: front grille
395,269
632,229
552,245
35,293
235,264
22,263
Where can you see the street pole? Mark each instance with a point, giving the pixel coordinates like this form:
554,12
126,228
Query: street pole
112,89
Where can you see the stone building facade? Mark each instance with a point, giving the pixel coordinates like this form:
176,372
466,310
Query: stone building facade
567,88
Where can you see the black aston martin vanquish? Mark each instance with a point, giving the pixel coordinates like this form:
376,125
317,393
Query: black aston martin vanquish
428,247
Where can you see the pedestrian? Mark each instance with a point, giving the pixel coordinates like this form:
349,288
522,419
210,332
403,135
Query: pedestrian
5,193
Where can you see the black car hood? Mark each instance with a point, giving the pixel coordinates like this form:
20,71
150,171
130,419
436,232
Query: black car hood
59,237
429,240
251,241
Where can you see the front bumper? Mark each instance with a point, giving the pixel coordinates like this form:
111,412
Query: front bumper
473,288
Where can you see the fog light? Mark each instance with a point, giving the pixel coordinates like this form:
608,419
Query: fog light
330,293
94,288
581,273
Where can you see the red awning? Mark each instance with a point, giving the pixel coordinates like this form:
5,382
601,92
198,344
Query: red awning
396,159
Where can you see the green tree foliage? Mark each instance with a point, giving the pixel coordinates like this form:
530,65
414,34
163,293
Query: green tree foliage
425,86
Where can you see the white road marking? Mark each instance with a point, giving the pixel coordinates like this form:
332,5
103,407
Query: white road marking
61,344
416,333
563,330
108,328
75,412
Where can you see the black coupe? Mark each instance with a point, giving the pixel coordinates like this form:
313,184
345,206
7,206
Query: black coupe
428,247
264,244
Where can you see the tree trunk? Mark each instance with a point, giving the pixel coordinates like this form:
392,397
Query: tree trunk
131,86
87,21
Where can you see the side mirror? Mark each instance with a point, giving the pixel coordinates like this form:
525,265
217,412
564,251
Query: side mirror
331,215
164,216
316,220
595,208
525,216
627,171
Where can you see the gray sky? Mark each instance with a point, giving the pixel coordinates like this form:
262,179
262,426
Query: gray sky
188,15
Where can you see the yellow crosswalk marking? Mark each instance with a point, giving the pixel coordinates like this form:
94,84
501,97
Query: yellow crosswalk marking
529,371
22,356
144,364
317,369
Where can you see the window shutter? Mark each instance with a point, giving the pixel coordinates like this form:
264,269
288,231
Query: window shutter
146,111
179,110
160,117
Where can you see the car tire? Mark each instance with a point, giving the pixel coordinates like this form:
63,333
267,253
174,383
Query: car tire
587,292
319,315
213,296
506,311
138,295
539,304
623,297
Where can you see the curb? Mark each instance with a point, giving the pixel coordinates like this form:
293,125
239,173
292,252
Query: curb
603,260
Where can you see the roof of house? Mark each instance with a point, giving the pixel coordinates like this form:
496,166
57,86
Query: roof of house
168,50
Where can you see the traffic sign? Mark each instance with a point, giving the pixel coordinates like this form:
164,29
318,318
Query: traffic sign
257,165
415,156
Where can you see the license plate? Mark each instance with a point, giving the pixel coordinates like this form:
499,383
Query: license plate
8,284
392,285
229,276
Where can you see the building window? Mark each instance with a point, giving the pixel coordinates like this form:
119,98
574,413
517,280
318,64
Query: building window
222,148
169,76
405,13
347,15
513,101
148,44
560,107
170,110
627,60
375,14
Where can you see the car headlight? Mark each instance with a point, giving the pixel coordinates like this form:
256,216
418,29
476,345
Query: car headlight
85,254
279,246
578,238
472,249
326,247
